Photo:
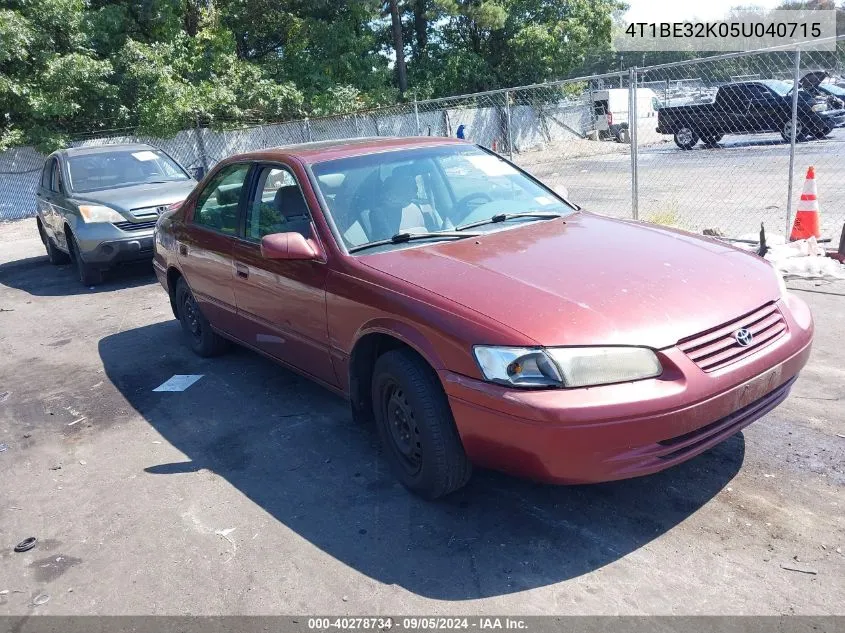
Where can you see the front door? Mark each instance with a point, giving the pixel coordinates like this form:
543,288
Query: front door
205,245
281,303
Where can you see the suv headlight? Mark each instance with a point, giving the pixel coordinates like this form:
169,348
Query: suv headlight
819,107
99,213
565,366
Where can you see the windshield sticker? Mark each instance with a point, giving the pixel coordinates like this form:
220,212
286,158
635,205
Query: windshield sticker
491,166
543,200
145,155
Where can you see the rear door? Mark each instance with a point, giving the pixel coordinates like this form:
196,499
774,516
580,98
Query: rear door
281,304
764,109
732,113
49,199
205,245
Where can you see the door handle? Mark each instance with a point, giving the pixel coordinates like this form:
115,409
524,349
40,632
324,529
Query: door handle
183,249
242,271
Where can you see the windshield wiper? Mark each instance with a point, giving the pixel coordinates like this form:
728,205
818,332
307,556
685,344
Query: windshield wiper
501,217
401,238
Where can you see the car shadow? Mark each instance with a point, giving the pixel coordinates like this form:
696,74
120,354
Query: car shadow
293,449
38,277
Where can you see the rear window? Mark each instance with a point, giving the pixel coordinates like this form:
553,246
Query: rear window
122,168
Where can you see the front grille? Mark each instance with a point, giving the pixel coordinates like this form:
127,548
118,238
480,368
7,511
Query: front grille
149,212
135,226
717,348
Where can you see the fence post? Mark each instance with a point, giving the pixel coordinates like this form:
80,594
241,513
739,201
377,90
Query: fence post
508,123
307,125
796,78
201,146
417,115
632,134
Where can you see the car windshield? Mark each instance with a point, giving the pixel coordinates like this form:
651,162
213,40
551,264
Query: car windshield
834,90
122,168
782,88
428,190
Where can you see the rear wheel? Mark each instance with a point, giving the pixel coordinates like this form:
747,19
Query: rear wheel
203,340
416,426
686,138
55,256
88,274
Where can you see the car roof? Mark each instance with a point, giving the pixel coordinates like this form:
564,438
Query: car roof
104,149
321,151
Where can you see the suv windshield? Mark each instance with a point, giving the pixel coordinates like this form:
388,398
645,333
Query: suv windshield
122,168
428,190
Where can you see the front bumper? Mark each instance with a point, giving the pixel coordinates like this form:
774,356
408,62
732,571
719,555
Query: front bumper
106,244
626,430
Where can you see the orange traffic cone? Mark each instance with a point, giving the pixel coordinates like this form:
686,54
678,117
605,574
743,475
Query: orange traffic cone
807,215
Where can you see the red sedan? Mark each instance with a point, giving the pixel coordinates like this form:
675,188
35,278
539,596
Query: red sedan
478,317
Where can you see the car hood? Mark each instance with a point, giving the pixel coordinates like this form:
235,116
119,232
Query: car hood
124,199
812,79
591,280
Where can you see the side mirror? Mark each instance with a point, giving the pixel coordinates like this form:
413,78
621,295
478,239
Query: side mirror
291,246
197,173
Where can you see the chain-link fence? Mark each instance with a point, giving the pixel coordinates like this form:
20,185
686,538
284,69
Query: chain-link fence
701,144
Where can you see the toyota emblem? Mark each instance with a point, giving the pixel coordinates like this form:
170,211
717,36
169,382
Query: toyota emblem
744,337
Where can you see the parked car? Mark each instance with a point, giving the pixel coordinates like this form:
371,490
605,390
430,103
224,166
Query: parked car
98,206
749,107
476,316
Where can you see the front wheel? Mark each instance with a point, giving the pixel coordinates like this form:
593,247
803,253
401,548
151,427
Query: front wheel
685,138
822,133
416,426
786,131
55,256
203,340
89,275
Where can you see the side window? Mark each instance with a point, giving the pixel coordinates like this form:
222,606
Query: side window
757,93
277,206
56,177
217,206
47,174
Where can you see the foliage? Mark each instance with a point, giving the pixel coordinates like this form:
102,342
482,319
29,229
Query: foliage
74,66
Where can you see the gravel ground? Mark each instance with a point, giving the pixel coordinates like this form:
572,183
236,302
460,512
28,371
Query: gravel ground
252,492
733,187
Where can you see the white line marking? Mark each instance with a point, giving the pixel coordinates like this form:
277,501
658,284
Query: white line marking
179,382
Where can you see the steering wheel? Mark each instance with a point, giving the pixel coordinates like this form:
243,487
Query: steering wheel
463,206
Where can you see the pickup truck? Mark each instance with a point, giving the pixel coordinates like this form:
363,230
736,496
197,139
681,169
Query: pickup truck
749,107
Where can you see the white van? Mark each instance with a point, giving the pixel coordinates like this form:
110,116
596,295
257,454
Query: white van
610,110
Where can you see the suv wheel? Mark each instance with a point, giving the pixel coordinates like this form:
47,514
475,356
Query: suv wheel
685,138
203,340
416,426
55,256
88,274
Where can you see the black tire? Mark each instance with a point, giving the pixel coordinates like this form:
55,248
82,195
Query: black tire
786,131
55,256
822,133
686,138
203,340
416,426
89,275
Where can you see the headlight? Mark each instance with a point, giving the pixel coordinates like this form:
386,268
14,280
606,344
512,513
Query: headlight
819,107
99,213
566,366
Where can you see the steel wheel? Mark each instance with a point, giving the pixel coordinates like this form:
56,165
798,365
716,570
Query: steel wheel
404,433
191,314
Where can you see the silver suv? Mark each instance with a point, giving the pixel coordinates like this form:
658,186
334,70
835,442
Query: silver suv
98,206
